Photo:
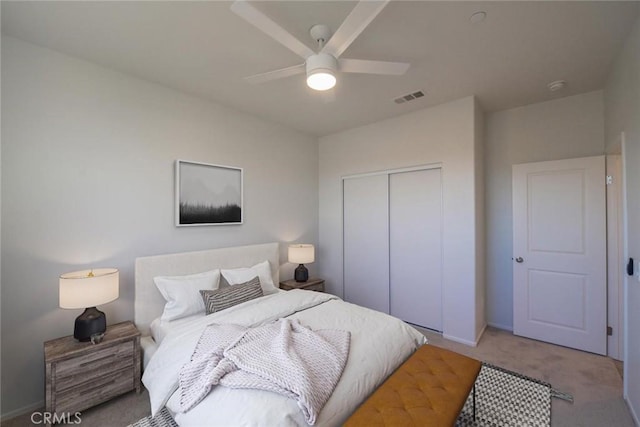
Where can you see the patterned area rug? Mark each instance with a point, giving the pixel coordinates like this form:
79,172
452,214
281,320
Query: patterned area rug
162,419
503,398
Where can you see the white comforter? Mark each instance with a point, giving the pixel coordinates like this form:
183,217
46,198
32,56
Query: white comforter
379,344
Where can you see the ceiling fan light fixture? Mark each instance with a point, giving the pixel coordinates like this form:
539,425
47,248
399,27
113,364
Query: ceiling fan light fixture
321,71
321,67
321,80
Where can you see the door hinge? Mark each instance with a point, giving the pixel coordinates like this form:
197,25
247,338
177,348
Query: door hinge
609,180
609,331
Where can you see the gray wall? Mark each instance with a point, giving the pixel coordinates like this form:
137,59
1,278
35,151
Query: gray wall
622,114
88,180
561,129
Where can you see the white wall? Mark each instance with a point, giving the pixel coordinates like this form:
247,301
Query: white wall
0,235
622,114
88,181
481,315
445,134
559,129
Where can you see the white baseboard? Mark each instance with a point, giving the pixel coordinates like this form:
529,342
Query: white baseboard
499,326
21,411
634,415
463,341
484,328
460,340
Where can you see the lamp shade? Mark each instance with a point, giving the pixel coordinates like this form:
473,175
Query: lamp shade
89,288
301,254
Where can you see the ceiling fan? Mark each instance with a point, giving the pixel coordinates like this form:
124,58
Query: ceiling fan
322,67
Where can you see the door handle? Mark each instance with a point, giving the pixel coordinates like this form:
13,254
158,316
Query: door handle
519,259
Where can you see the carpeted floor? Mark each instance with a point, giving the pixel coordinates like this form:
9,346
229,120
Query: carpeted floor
594,382
619,367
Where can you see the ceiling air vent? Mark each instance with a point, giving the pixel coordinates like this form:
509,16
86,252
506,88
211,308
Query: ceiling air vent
409,97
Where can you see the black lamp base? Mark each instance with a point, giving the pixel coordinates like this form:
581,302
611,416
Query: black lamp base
301,274
91,321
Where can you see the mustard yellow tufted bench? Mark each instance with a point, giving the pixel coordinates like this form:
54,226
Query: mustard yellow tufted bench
428,389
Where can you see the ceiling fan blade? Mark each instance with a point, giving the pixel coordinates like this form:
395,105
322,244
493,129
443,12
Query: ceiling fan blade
270,28
372,67
353,25
276,74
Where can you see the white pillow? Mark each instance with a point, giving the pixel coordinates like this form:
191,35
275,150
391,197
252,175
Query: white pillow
182,293
241,275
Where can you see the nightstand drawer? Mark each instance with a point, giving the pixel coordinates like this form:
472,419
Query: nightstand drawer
93,365
91,393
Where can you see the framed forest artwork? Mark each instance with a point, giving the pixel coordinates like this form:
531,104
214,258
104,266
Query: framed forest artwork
208,194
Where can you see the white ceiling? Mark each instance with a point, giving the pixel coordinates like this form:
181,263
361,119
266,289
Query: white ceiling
204,49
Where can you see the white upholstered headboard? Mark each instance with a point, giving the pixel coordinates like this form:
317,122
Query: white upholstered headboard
149,303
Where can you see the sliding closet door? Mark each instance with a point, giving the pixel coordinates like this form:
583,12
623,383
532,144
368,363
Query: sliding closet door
415,243
366,241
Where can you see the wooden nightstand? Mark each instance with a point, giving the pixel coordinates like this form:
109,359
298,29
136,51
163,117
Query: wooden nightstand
309,285
79,375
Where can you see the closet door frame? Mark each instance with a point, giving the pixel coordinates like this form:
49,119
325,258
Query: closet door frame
389,172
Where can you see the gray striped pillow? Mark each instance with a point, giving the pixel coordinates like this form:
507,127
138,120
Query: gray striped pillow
221,299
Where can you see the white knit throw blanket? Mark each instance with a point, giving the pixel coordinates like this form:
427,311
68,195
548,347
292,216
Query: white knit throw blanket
284,357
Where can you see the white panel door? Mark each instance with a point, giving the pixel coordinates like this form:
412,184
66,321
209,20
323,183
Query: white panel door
559,251
366,241
415,247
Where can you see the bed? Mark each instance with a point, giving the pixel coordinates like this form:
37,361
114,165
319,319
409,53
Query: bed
378,343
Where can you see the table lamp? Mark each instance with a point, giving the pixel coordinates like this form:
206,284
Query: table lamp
301,254
87,289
